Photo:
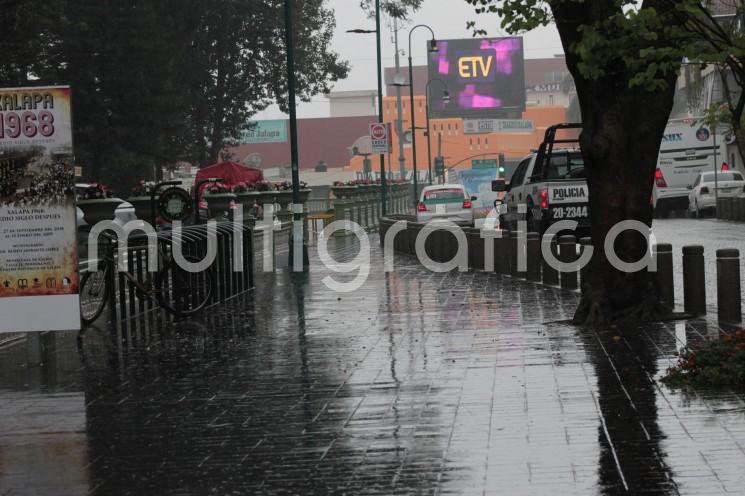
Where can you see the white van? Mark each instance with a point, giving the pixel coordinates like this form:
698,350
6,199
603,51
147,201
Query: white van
687,150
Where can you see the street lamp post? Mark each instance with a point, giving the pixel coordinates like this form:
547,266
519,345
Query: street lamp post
432,48
383,180
445,98
298,250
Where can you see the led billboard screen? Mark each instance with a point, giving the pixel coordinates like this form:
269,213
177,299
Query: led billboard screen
482,76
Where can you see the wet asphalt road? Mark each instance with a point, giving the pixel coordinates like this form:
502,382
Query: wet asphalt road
712,234
416,383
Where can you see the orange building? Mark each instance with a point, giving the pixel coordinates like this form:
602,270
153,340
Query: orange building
458,147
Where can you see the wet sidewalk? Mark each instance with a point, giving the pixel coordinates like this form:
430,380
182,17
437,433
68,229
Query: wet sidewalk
417,383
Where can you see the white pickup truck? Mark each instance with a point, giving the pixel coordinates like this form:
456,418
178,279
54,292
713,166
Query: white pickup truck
550,183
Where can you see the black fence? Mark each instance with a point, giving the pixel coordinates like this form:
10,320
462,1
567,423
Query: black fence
232,272
441,246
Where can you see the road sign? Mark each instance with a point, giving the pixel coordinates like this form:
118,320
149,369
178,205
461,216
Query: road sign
380,134
484,164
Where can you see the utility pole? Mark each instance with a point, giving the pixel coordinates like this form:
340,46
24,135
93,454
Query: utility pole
383,179
439,154
399,106
298,248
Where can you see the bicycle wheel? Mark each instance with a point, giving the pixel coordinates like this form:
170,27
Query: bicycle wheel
94,294
183,293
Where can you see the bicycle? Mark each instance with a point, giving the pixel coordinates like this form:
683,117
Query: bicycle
179,292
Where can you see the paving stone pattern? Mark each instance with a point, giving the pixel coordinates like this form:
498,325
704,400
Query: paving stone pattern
417,383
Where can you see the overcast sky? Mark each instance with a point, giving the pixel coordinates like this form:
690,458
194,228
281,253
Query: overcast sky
446,17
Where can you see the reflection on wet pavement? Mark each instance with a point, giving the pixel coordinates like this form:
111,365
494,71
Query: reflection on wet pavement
415,383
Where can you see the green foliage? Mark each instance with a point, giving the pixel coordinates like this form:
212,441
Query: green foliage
393,8
164,80
715,364
716,115
624,40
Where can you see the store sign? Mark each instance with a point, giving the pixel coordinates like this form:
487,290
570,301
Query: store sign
39,279
485,126
544,88
270,131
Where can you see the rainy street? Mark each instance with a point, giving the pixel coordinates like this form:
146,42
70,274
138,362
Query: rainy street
355,248
459,383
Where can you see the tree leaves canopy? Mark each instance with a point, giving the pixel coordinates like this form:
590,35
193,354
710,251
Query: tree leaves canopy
159,81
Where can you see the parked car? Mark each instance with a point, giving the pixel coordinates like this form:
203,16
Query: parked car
706,188
550,183
445,202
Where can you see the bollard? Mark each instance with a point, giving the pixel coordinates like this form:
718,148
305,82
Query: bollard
518,251
475,248
478,251
534,257
584,243
568,254
664,274
550,274
507,251
694,280
740,208
522,244
513,253
728,285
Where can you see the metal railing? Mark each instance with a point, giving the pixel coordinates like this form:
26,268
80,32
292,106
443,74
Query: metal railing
232,272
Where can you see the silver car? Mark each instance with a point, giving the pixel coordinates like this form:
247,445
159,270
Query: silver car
445,202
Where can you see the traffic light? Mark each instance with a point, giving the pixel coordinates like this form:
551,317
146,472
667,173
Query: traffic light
501,163
439,166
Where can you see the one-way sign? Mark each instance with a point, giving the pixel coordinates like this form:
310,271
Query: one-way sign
380,136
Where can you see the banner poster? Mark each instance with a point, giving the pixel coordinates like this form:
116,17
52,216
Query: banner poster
39,278
478,183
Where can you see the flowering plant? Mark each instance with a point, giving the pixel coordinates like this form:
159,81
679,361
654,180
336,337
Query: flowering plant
716,363
264,186
361,182
287,185
217,189
244,187
143,188
95,191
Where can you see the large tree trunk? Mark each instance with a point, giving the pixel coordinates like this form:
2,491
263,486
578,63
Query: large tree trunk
622,132
620,148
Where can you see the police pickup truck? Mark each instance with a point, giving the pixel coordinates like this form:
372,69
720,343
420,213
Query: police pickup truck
550,183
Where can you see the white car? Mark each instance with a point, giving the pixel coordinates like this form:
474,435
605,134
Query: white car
706,188
446,202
